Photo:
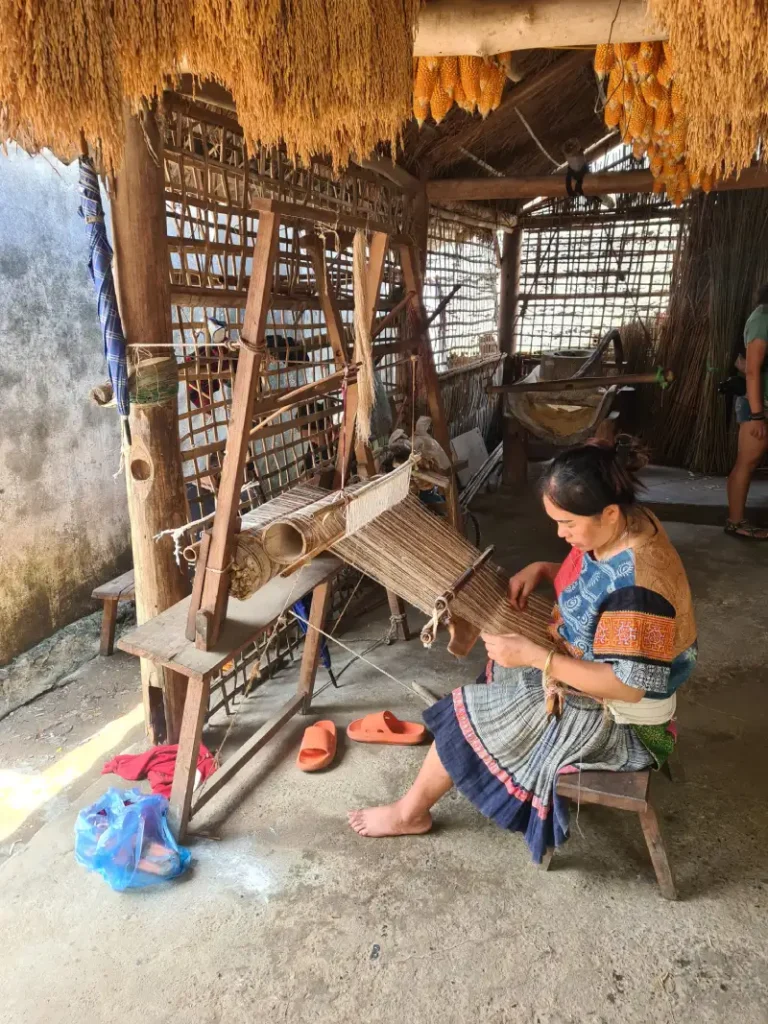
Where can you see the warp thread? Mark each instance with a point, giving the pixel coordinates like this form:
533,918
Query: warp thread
419,556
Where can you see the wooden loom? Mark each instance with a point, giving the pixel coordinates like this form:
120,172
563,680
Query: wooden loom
405,548
215,555
196,637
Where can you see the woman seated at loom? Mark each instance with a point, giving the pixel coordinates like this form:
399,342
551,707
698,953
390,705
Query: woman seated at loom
624,640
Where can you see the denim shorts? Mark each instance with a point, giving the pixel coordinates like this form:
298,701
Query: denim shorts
743,411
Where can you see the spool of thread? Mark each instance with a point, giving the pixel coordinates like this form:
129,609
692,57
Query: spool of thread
155,381
251,567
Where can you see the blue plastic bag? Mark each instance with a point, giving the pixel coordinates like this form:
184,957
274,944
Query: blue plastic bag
125,838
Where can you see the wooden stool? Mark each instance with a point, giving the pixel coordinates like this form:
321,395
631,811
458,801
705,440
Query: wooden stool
626,791
120,589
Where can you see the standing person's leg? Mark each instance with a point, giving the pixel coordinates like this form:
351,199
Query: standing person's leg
410,814
750,454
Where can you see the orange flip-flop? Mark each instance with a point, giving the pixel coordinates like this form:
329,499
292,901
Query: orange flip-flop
383,727
318,746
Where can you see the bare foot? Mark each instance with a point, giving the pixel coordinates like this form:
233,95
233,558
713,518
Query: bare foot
376,822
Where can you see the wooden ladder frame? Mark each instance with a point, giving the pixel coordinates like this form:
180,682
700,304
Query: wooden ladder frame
211,588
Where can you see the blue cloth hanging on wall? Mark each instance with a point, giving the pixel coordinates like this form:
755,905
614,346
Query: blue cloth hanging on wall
100,268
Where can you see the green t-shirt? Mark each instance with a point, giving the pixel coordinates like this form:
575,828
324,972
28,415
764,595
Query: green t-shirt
757,327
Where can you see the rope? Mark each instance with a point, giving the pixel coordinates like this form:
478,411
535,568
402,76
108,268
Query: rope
360,657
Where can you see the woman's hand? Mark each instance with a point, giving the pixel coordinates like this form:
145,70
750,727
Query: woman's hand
758,430
514,651
523,583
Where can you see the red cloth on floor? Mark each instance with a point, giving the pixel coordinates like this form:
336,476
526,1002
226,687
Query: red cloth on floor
157,764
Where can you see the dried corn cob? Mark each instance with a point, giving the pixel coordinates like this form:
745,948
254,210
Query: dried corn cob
612,113
653,92
675,99
638,149
662,123
638,117
484,76
605,58
420,110
469,71
615,83
647,135
665,74
494,89
461,100
625,51
449,74
648,58
440,103
426,78
678,135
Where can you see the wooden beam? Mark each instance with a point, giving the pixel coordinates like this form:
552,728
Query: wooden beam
393,172
484,27
450,190
248,750
252,347
328,301
154,476
582,383
313,642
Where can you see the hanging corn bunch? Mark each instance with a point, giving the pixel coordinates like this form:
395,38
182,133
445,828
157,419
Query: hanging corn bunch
471,83
642,100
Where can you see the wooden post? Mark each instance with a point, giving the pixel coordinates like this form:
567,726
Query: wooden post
412,279
515,457
480,27
215,590
154,476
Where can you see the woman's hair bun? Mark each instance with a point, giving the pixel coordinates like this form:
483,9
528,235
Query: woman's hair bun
588,478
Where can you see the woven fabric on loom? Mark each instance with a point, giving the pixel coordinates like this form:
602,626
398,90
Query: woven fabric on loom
419,556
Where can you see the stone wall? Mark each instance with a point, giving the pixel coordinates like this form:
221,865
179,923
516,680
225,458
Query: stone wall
63,515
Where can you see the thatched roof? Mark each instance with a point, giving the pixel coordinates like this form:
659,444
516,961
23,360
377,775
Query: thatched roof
557,96
303,73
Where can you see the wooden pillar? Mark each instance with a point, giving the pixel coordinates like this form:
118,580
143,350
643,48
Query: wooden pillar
154,477
515,457
413,281
420,226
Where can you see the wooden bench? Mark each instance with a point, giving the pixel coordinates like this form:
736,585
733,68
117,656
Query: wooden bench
122,588
625,791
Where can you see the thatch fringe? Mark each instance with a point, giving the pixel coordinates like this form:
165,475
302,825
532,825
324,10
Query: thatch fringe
717,275
324,76
721,65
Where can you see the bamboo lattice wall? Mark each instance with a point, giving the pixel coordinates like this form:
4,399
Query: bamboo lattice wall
584,270
212,183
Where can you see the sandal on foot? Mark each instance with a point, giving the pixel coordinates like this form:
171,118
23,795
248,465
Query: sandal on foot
745,530
318,747
384,727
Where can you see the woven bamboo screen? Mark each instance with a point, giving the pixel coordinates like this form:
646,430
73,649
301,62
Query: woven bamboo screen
210,183
467,329
464,336
584,269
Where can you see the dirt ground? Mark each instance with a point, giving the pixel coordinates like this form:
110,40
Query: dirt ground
287,915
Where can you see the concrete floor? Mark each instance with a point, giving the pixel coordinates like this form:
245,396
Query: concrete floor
289,916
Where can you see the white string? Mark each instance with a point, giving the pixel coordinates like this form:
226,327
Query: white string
533,136
360,657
